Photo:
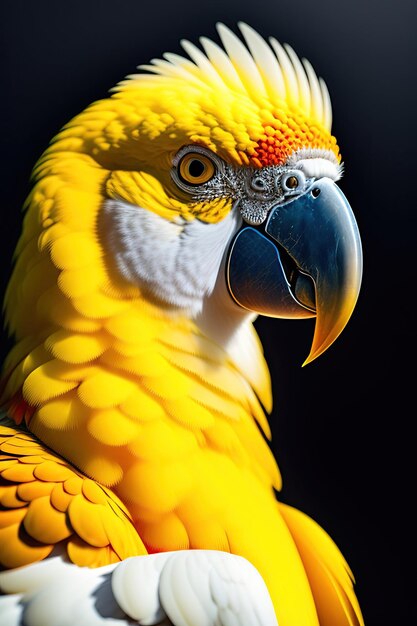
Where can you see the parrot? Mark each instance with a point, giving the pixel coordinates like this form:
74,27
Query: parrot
138,483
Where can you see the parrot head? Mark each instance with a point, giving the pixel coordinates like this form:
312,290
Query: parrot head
222,180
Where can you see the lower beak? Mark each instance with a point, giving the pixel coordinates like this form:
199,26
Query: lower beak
305,261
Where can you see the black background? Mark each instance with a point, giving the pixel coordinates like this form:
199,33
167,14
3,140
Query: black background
343,426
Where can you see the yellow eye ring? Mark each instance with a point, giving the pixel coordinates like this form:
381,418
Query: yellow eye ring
196,169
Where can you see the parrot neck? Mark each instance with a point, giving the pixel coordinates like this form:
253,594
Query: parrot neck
226,323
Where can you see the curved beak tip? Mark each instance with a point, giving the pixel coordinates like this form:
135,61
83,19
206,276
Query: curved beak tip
335,311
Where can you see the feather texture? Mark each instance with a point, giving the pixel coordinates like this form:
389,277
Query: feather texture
254,69
207,588
328,572
51,503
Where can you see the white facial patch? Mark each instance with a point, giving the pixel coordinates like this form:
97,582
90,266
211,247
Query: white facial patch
315,163
176,262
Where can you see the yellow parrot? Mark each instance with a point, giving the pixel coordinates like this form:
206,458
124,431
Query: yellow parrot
161,221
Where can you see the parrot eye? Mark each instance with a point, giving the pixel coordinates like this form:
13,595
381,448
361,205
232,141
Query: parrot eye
293,182
196,169
194,166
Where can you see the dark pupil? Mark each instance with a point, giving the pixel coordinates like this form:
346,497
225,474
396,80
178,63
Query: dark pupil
196,168
292,182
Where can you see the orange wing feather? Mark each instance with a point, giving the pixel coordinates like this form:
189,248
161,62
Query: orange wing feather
45,502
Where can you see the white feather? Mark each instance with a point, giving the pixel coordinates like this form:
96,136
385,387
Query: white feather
184,593
30,579
177,262
169,69
302,81
212,588
135,585
315,91
265,60
10,610
319,168
67,602
288,71
327,105
242,60
177,59
185,588
316,163
56,593
222,63
202,61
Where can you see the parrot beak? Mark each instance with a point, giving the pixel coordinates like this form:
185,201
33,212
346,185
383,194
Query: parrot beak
305,260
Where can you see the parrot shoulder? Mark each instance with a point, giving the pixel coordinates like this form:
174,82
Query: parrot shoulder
45,502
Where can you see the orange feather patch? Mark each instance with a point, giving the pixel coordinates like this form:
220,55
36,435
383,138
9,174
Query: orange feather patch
285,135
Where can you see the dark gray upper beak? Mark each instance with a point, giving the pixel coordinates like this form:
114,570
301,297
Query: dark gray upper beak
305,260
